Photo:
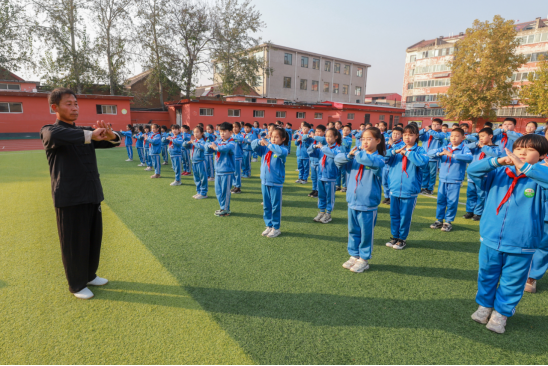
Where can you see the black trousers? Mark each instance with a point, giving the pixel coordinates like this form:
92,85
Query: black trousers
80,230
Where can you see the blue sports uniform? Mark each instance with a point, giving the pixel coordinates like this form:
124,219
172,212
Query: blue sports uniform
431,141
209,153
385,171
272,180
197,150
511,229
238,156
505,139
346,146
405,177
290,138
328,172
315,163
303,160
247,154
363,196
164,145
539,265
139,144
174,149
155,141
186,153
224,171
146,150
451,176
128,141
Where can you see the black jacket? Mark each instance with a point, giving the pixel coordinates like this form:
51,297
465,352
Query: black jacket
72,164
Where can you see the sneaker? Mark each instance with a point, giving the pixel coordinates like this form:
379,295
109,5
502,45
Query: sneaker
274,233
200,197
497,322
98,281
350,262
129,160
197,195
384,200
304,181
175,183
447,227
253,160
429,192
343,189
222,213
148,169
210,179
399,245
319,217
476,218
387,201
141,164
468,215
326,218
337,188
423,191
315,195
360,266
436,225
296,170
232,189
392,242
298,181
482,315
164,163
311,194
84,294
267,231
155,176
531,285
237,190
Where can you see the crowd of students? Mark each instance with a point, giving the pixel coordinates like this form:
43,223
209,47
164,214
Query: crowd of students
506,173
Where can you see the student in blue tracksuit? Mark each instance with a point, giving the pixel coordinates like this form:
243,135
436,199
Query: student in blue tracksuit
128,141
155,141
346,146
210,163
327,173
303,142
175,143
405,176
238,156
475,196
256,131
289,130
274,154
432,140
224,167
248,138
364,167
511,228
454,159
186,150
505,136
165,142
539,264
146,148
319,137
532,127
139,144
197,148
396,141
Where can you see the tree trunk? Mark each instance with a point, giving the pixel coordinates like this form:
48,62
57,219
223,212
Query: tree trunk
474,124
75,66
110,71
189,79
158,70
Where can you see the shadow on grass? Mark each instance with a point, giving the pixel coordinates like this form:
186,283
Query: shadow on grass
3,284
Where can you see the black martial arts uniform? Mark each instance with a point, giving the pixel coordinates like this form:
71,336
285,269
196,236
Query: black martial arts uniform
77,196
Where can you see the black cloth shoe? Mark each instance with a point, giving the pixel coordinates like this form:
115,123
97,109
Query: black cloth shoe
468,215
476,217
400,244
315,194
311,194
237,190
337,188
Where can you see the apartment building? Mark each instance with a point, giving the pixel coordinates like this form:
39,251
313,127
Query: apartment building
426,75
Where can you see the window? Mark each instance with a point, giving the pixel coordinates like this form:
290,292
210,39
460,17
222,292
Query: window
396,120
328,65
345,89
251,100
258,114
358,90
367,118
347,69
287,82
337,68
288,59
410,86
335,88
326,87
206,112
106,109
233,113
318,115
315,85
381,117
280,114
301,115
304,61
433,82
11,107
10,87
271,101
359,72
350,116
303,84
316,63
412,58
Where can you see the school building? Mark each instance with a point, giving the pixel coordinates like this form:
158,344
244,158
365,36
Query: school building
426,75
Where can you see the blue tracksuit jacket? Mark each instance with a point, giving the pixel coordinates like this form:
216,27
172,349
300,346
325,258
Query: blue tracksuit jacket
505,139
273,174
328,169
175,145
302,147
155,141
239,142
140,140
225,159
128,141
406,184
452,169
432,140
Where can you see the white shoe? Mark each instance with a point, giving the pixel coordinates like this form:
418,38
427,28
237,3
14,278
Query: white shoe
164,163
98,281
200,197
326,218
196,195
148,169
175,183
84,294
267,231
274,233
253,160
129,160
349,263
297,170
319,216
497,322
304,181
298,181
141,164
482,314
360,266
210,179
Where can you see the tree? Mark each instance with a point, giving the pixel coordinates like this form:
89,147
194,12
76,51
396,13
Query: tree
234,51
113,20
15,37
481,71
535,93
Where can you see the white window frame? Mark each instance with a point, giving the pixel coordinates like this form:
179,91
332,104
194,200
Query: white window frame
271,101
290,59
234,114
18,87
345,87
317,85
106,107
204,112
280,114
324,84
9,107
318,115
359,72
381,117
258,114
358,90
301,115
285,79
350,116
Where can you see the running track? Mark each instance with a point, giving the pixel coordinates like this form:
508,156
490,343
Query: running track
20,145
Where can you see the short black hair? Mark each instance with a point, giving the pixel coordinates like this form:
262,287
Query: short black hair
147,127
534,141
367,124
305,124
464,125
438,120
445,125
513,120
141,129
289,124
164,127
237,124
248,125
488,124
401,124
533,122
398,129
225,126
210,126
57,94
321,128
201,124
459,130
176,127
336,134
410,128
383,123
186,127
487,130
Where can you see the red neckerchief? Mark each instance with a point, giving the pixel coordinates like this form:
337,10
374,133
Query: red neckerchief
504,139
359,176
171,141
482,155
267,159
404,165
429,141
449,157
221,143
512,186
325,156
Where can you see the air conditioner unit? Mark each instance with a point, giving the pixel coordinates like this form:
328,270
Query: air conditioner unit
34,90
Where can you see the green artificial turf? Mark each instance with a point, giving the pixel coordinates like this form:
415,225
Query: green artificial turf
189,287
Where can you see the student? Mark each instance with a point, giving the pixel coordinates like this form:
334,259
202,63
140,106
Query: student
146,142
224,167
358,134
139,144
364,167
256,131
289,130
338,127
164,144
155,142
433,139
406,161
128,141
247,150
511,229
384,130
505,136
475,195
327,173
210,164
199,167
395,141
346,146
238,156
454,158
175,143
446,132
303,142
318,137
274,154
186,150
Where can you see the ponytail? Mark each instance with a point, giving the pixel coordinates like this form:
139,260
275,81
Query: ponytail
377,134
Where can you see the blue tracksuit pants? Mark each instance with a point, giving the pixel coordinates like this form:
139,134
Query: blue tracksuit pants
401,212
237,173
507,270
246,164
210,165
361,225
164,153
147,157
304,168
386,182
186,160
448,201
326,196
156,163
129,152
200,177
223,183
314,174
475,198
272,205
289,147
341,178
539,266
141,154
429,173
176,165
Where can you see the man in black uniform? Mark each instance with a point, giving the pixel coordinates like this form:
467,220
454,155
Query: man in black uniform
76,189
